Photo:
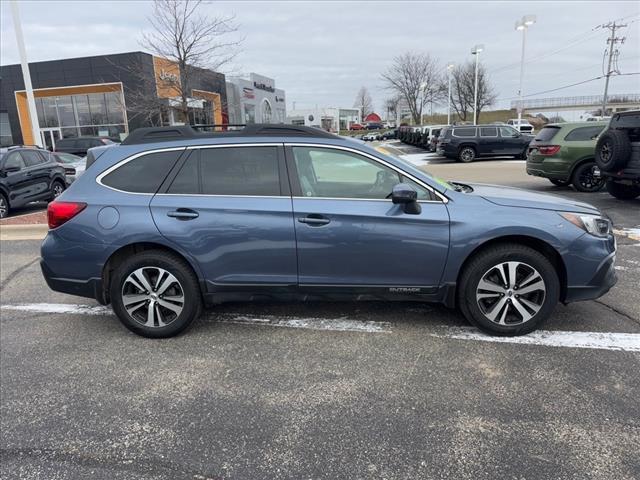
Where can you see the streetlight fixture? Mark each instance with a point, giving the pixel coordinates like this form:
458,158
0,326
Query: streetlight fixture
476,51
449,69
523,24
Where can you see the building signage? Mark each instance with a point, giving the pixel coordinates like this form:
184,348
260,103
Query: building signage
248,92
264,86
279,99
167,76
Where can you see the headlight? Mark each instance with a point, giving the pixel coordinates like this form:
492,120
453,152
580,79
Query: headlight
594,224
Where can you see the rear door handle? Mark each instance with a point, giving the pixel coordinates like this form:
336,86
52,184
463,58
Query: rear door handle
315,220
183,214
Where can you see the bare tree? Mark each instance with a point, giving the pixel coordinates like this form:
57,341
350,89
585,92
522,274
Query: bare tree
363,102
184,35
391,106
415,78
463,86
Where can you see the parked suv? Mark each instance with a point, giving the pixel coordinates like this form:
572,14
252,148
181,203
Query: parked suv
618,155
80,145
564,153
173,220
521,125
466,143
28,175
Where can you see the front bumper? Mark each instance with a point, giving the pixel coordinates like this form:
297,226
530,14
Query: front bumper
596,268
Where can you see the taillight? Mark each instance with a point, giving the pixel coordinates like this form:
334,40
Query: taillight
61,212
548,149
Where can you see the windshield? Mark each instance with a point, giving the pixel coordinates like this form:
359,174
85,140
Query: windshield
437,180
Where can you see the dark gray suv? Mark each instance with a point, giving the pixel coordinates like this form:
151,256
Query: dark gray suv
466,143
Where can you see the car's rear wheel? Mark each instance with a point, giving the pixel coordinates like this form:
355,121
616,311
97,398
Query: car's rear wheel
467,154
559,183
57,187
622,191
4,206
584,179
508,289
155,294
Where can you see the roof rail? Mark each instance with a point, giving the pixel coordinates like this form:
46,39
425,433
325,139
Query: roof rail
184,132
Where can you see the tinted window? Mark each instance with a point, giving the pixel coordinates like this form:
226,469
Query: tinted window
85,143
187,180
14,160
143,174
583,133
331,173
32,158
66,142
240,171
488,132
508,132
547,133
464,132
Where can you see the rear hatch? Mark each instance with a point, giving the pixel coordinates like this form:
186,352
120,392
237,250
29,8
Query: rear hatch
542,145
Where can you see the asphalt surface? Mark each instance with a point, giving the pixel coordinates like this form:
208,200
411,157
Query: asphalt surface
247,398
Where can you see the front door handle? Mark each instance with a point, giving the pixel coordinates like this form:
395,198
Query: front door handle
183,214
315,220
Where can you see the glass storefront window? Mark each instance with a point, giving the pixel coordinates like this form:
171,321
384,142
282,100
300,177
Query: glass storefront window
81,103
115,107
266,112
69,132
98,110
249,114
49,113
65,111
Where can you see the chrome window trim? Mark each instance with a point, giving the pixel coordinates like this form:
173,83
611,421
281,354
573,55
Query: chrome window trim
360,199
217,195
453,131
443,198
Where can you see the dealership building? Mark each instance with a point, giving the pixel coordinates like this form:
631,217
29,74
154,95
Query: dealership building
107,95
330,119
255,100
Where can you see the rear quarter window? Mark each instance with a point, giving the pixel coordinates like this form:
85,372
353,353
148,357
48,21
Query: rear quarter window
143,174
583,133
464,132
547,134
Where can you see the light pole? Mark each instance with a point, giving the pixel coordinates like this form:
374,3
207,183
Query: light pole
523,24
449,69
423,90
476,51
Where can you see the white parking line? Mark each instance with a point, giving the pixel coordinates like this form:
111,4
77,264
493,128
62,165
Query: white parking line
629,342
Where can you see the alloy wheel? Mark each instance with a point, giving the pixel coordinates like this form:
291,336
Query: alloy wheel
605,152
152,296
589,181
511,293
3,207
467,155
57,190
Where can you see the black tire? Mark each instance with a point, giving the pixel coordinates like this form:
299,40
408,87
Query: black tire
482,264
523,155
187,283
4,206
466,154
57,187
559,183
613,150
622,191
584,180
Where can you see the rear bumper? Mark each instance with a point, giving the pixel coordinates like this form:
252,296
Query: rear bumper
91,288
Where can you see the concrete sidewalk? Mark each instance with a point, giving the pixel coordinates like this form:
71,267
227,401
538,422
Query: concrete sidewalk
23,232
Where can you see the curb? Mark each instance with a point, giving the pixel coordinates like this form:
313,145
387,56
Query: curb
23,232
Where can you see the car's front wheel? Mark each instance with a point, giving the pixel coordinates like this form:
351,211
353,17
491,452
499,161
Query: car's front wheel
508,289
155,294
57,187
4,206
585,180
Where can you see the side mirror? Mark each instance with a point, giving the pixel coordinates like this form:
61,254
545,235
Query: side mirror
406,196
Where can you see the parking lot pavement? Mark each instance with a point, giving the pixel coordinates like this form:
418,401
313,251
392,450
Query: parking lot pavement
321,391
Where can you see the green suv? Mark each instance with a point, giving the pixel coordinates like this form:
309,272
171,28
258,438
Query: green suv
565,154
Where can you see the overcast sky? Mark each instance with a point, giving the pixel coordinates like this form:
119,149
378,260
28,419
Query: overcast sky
322,52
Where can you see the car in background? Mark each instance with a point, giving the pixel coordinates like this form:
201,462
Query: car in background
374,126
370,137
356,126
27,175
565,154
521,125
389,135
80,145
428,132
158,228
74,165
618,155
466,143
435,135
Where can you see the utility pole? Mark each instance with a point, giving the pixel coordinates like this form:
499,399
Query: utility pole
612,41
449,68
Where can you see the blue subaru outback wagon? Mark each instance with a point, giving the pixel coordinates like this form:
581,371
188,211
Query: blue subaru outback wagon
173,220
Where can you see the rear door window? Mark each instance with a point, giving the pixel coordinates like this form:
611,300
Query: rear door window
584,133
464,132
250,171
508,132
32,158
187,182
488,132
547,134
144,174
